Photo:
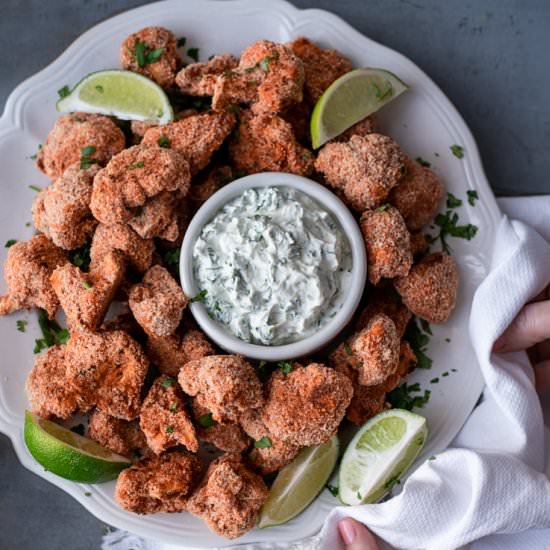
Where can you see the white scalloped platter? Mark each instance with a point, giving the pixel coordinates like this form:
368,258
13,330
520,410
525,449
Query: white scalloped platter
423,122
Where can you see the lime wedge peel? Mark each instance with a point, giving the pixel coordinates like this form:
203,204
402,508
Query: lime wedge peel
351,98
123,94
299,483
70,455
381,452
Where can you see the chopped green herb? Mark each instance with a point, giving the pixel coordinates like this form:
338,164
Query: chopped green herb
168,382
263,443
163,141
199,297
452,201
139,52
10,243
454,370
285,366
28,224
264,64
193,53
78,429
423,162
383,207
457,151
419,341
64,92
403,397
447,339
227,74
434,380
52,333
21,325
87,151
334,490
181,42
206,420
234,109
153,55
392,482
85,157
99,89
86,284
81,257
426,326
169,429
446,373
382,95
136,165
432,457
448,227
359,496
173,407
35,188
472,197
87,494
348,349
172,256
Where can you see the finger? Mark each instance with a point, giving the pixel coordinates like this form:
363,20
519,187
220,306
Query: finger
356,536
543,351
531,326
542,376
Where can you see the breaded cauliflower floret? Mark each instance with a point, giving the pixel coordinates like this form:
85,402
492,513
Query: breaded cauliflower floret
229,497
388,243
120,436
27,273
62,210
226,436
132,178
164,418
138,252
85,297
97,135
152,52
196,137
321,67
377,348
170,353
418,195
226,385
365,168
269,77
158,484
278,452
431,287
362,128
306,406
199,79
108,370
266,143
48,387
203,187
157,302
298,116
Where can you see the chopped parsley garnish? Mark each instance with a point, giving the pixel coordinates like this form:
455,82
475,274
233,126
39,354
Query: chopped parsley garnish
426,326
87,494
452,201
81,257
52,333
384,207
348,349
432,457
405,397
381,95
472,197
145,55
181,42
206,420
172,256
21,325
448,227
136,165
423,162
163,141
35,156
173,407
334,490
285,366
64,92
391,483
434,380
86,159
446,373
87,151
359,496
10,243
99,89
35,188
193,53
86,284
263,443
419,341
169,429
199,297
264,64
78,429
168,382
454,370
447,340
458,151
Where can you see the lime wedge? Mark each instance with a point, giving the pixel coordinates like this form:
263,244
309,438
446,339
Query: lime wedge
68,454
123,94
380,453
299,483
351,98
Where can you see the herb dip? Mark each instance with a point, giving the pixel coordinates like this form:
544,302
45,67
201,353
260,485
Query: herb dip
272,265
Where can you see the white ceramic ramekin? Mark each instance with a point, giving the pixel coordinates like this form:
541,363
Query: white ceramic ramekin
221,336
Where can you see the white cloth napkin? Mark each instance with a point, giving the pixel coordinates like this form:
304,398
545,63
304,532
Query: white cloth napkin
492,485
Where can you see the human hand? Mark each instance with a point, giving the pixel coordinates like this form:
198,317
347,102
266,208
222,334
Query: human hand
530,331
356,536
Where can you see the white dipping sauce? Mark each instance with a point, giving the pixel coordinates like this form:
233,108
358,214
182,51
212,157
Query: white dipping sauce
273,264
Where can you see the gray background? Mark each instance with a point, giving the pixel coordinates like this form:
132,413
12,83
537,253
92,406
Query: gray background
490,57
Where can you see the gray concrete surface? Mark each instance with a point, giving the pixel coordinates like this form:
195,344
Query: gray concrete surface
489,56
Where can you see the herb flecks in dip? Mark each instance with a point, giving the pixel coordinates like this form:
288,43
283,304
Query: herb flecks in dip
273,264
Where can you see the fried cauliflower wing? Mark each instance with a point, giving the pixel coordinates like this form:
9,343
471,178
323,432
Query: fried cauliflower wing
306,406
62,210
27,273
203,187
75,134
364,169
158,484
362,128
226,385
388,243
431,287
266,143
108,370
85,297
152,52
229,497
199,79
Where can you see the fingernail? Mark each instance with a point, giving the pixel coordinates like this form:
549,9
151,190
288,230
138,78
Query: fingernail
347,531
